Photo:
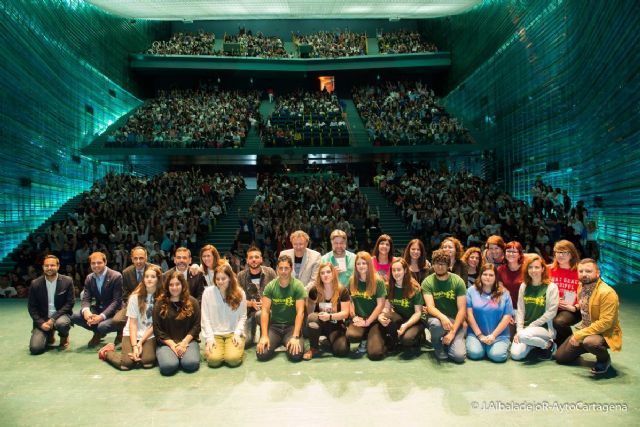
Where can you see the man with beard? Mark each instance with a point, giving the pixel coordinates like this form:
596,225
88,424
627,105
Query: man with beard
600,327
51,299
340,257
182,260
254,279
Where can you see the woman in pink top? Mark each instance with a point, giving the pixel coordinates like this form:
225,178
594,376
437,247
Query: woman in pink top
383,256
564,274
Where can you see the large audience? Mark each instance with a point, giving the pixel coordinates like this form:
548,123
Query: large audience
333,44
404,41
306,118
256,45
200,43
191,118
406,113
121,211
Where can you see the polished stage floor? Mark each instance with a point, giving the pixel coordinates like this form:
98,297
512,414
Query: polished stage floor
75,388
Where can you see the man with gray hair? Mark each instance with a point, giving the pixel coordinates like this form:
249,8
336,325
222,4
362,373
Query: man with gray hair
305,260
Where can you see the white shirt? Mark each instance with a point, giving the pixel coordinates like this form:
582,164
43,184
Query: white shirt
144,320
51,293
217,316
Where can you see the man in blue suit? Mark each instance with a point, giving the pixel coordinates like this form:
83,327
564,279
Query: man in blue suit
104,286
51,299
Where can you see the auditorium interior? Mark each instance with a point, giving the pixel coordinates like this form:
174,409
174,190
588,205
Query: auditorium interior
526,97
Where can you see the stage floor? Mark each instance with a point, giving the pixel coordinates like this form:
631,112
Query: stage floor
74,387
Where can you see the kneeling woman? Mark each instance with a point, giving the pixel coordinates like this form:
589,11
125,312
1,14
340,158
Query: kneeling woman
138,342
176,325
224,314
489,313
328,306
282,314
401,316
367,296
537,306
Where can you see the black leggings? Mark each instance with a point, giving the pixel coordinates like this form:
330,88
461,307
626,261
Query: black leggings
562,324
334,332
411,336
375,339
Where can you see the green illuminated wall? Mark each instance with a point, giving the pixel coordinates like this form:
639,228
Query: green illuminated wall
60,60
562,86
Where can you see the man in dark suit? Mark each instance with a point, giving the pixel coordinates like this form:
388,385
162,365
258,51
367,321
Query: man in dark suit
51,299
182,260
105,287
131,277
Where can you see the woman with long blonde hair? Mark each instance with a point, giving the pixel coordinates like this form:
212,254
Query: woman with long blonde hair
328,305
367,295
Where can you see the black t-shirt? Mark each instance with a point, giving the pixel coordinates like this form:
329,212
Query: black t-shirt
342,297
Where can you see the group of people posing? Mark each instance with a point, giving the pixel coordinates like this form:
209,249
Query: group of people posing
478,303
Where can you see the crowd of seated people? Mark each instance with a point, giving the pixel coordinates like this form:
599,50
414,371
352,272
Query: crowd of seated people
200,43
121,211
435,205
404,41
285,204
190,118
305,118
406,113
333,44
256,45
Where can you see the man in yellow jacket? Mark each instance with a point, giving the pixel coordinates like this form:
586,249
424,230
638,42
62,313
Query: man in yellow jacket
600,327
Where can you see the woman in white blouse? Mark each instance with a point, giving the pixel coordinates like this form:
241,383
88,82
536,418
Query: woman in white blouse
224,313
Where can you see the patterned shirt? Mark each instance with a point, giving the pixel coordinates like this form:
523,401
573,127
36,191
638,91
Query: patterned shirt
584,297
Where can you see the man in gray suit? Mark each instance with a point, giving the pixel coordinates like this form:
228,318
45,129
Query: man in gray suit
104,286
51,299
305,261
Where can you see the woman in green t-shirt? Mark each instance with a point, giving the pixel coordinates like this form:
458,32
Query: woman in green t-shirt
400,317
367,297
537,306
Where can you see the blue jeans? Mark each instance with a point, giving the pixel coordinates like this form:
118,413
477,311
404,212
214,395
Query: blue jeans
456,351
169,363
496,352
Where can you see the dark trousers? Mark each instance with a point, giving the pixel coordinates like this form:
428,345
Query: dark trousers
562,324
280,334
594,344
38,343
374,337
102,328
334,332
411,336
120,319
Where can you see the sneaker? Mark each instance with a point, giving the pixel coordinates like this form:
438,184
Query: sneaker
102,353
548,353
310,354
362,348
601,367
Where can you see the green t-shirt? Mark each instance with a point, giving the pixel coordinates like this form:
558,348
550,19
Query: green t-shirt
363,304
445,293
535,302
283,300
405,307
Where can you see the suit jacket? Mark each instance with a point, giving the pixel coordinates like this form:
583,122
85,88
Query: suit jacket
63,299
244,278
310,265
603,310
196,283
129,280
107,302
